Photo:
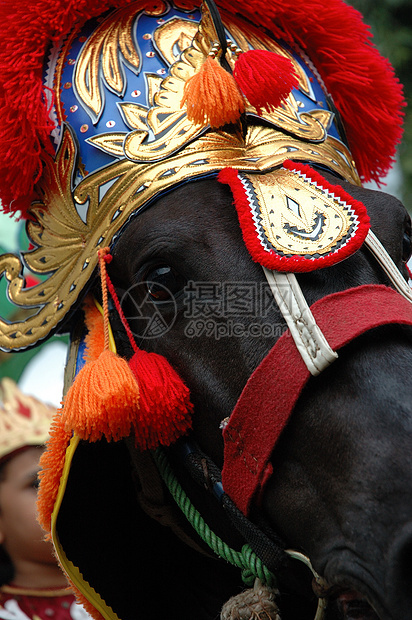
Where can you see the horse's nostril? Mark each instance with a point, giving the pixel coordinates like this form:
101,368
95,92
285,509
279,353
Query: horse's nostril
399,577
403,567
355,606
349,605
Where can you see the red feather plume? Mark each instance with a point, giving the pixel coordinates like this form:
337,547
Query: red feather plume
362,83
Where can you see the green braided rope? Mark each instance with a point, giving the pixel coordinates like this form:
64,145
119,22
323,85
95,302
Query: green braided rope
246,559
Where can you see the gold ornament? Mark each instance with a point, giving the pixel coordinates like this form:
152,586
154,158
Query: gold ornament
298,218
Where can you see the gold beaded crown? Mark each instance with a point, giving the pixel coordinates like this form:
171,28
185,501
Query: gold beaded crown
24,420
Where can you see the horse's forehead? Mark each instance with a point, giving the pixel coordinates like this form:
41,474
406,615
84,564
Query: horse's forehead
192,203
199,212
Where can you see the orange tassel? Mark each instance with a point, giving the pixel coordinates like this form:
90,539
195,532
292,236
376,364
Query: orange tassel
111,398
51,464
165,409
95,336
265,78
102,400
212,96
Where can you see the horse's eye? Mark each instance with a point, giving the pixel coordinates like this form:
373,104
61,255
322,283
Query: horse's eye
406,247
163,283
407,242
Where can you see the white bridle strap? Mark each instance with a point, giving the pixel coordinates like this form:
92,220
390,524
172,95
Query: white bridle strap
387,264
309,339
277,383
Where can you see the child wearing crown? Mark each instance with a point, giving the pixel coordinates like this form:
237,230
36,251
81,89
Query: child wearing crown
32,586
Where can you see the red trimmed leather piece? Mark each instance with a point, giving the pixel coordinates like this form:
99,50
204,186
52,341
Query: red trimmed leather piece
271,259
272,391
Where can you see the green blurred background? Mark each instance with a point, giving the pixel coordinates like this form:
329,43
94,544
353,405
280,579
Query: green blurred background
391,23
40,370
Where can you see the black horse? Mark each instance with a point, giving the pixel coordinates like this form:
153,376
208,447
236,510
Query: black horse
246,96
342,479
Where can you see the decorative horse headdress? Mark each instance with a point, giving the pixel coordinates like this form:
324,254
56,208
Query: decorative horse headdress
108,104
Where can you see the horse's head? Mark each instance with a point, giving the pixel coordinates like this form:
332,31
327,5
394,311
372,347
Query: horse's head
267,361
338,490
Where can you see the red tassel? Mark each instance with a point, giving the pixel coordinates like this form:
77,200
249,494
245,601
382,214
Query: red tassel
265,78
165,409
212,96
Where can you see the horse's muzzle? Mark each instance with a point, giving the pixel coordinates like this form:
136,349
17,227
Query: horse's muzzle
350,605
387,597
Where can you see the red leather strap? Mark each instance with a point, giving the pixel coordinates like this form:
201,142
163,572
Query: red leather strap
270,395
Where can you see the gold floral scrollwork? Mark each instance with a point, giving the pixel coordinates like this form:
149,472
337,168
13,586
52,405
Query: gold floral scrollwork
185,46
167,120
59,234
66,246
111,143
107,48
175,34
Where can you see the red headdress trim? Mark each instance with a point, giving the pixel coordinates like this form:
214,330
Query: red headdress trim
361,82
